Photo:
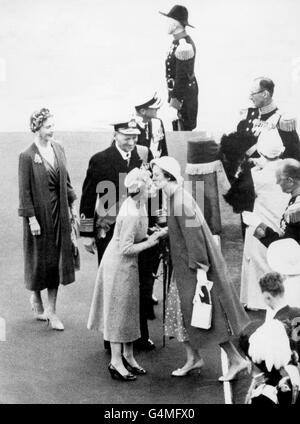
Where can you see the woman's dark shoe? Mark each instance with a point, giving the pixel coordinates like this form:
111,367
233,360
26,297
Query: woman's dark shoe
115,374
133,370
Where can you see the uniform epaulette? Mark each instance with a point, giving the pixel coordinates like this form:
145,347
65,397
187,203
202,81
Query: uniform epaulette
292,214
184,50
287,123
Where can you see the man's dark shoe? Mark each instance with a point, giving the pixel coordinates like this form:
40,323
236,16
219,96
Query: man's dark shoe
142,344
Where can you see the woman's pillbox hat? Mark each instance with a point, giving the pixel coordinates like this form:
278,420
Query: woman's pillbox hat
135,179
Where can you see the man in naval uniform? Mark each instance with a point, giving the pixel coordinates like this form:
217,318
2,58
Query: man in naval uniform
113,163
180,76
238,149
152,132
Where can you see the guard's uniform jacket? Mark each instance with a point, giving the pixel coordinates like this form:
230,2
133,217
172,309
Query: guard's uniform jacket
289,224
153,136
181,80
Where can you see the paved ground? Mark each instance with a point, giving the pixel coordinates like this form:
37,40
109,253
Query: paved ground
38,365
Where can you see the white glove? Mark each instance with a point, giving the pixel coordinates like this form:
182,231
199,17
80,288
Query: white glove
34,226
173,113
251,219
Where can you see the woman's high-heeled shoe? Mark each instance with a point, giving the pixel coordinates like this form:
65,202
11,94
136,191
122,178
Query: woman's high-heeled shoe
133,370
181,372
38,310
115,374
55,322
235,369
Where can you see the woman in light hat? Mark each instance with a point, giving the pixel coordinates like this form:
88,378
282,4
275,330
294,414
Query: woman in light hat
284,257
197,258
115,304
270,203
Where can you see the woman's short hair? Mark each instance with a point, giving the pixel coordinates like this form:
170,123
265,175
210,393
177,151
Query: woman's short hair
38,118
272,283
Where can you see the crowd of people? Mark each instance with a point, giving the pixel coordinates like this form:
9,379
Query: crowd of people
133,202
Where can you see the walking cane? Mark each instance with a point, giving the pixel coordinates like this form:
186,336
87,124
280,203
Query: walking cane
165,276
167,270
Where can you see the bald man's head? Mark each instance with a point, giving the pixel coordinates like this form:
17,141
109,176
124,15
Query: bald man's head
288,175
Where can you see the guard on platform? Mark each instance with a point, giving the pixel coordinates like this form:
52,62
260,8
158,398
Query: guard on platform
181,80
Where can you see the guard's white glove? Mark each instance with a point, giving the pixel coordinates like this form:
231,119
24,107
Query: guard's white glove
89,244
251,219
173,113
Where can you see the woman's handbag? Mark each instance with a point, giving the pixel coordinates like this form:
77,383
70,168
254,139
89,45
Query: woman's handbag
202,309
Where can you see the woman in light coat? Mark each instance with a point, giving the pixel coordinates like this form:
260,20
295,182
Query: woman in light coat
115,304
